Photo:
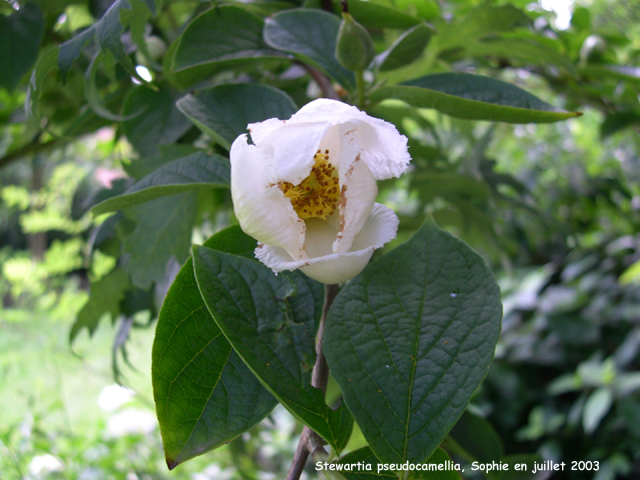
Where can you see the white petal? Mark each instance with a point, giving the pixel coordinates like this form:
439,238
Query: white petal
326,110
358,191
291,148
327,267
384,149
260,130
381,227
261,207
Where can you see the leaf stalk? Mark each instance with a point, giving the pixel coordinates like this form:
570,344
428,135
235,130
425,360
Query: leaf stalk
310,442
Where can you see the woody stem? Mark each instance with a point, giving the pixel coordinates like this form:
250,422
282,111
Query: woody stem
310,442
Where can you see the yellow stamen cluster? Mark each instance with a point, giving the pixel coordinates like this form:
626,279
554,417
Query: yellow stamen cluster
318,194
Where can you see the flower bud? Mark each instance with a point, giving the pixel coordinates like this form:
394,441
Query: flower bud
354,47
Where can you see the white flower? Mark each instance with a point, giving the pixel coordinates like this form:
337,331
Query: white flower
305,188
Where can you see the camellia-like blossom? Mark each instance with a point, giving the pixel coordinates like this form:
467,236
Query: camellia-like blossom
305,188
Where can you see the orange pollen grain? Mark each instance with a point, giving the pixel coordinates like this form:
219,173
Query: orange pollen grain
318,194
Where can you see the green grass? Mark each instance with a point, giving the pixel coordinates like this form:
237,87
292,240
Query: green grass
49,406
49,403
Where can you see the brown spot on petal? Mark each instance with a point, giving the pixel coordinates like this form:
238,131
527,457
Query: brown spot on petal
343,204
353,165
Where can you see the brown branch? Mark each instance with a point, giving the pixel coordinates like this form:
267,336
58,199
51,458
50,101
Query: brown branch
310,441
30,149
322,80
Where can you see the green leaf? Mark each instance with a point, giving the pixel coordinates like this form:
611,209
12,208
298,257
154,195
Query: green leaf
151,5
156,120
407,48
71,49
92,95
223,112
477,437
597,406
617,72
163,230
631,274
449,185
271,322
222,35
141,167
310,34
45,65
440,467
520,51
192,172
474,97
425,9
618,121
205,395
20,37
375,16
136,20
109,32
106,295
410,339
481,22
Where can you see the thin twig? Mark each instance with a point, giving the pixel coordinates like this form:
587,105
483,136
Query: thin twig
310,441
323,82
30,149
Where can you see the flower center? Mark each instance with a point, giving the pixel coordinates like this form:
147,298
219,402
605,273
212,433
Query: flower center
318,194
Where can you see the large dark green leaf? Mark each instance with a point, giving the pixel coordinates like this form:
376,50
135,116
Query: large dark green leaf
223,34
406,49
410,339
106,295
223,112
205,395
163,230
270,321
477,438
192,172
474,97
437,467
20,37
310,34
156,120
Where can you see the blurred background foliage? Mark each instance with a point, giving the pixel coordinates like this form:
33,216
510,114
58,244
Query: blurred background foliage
555,210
